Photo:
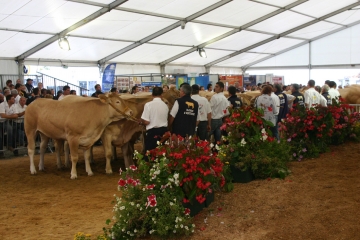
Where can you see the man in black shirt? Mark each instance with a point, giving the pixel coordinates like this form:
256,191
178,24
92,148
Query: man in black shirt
299,98
233,99
184,114
326,95
284,108
97,91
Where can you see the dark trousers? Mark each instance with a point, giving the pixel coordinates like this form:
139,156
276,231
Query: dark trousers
152,136
202,130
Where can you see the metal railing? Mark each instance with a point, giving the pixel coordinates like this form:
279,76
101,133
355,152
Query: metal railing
356,107
47,81
12,134
57,84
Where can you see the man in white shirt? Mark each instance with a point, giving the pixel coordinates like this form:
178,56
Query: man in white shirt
219,109
66,92
16,95
155,118
8,111
333,92
204,114
312,97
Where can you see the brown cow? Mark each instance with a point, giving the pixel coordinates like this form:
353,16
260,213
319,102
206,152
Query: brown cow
78,120
124,133
351,94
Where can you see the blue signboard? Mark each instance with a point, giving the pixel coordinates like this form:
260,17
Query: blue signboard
108,77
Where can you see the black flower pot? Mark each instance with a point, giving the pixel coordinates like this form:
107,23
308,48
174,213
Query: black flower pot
210,197
241,176
195,207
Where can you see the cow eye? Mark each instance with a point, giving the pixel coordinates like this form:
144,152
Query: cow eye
117,101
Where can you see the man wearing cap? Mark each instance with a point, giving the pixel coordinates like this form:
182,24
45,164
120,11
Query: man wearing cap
204,113
299,98
29,86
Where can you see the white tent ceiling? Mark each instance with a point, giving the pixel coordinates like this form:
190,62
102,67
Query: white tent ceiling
234,33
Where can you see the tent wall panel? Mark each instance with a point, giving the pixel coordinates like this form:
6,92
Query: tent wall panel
8,67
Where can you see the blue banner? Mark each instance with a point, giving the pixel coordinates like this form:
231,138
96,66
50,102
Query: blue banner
108,77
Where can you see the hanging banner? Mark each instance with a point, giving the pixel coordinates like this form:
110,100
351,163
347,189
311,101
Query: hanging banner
251,80
108,77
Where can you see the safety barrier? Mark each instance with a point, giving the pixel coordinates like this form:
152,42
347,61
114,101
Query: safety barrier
12,134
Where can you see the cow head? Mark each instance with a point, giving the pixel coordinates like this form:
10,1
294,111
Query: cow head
118,104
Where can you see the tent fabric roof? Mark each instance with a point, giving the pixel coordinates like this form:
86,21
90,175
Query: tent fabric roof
234,33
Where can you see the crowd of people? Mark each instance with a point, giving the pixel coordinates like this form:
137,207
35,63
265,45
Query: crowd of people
190,114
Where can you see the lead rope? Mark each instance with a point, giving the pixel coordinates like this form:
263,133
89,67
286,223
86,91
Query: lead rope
128,117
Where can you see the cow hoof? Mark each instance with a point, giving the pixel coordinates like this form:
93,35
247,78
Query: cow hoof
73,176
109,172
32,170
90,174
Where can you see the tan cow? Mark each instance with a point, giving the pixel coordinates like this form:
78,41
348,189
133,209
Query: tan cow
78,120
351,94
124,133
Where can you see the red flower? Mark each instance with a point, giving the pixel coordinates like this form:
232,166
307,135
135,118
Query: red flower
133,167
185,200
151,200
187,211
150,186
122,182
270,109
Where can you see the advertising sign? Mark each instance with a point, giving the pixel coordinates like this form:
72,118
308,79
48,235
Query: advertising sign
108,77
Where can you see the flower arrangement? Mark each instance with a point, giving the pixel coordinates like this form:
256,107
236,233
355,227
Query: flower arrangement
310,131
250,144
180,171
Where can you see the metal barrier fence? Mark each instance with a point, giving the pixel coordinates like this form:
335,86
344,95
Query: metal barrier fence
47,81
57,84
12,134
356,107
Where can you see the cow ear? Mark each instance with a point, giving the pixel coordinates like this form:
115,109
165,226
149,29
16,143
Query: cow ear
103,98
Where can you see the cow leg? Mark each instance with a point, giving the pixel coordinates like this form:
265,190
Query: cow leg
114,155
43,146
67,154
128,152
92,155
87,161
58,148
106,139
74,145
31,135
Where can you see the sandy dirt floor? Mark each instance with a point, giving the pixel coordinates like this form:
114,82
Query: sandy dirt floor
319,200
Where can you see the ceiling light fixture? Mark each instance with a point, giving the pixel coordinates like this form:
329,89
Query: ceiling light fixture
64,43
202,52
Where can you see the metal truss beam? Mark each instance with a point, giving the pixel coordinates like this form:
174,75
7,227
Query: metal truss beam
243,27
164,30
82,22
283,34
301,44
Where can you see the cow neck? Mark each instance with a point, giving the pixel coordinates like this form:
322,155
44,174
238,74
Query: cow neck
128,117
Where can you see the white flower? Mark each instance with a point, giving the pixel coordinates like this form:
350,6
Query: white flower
186,227
135,231
158,143
123,229
174,231
122,208
181,225
132,203
263,130
166,228
211,145
193,225
137,205
140,209
171,203
243,142
176,226
151,231
217,147
153,219
156,210
128,232
176,175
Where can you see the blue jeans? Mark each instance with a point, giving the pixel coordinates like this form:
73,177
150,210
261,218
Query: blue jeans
215,129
